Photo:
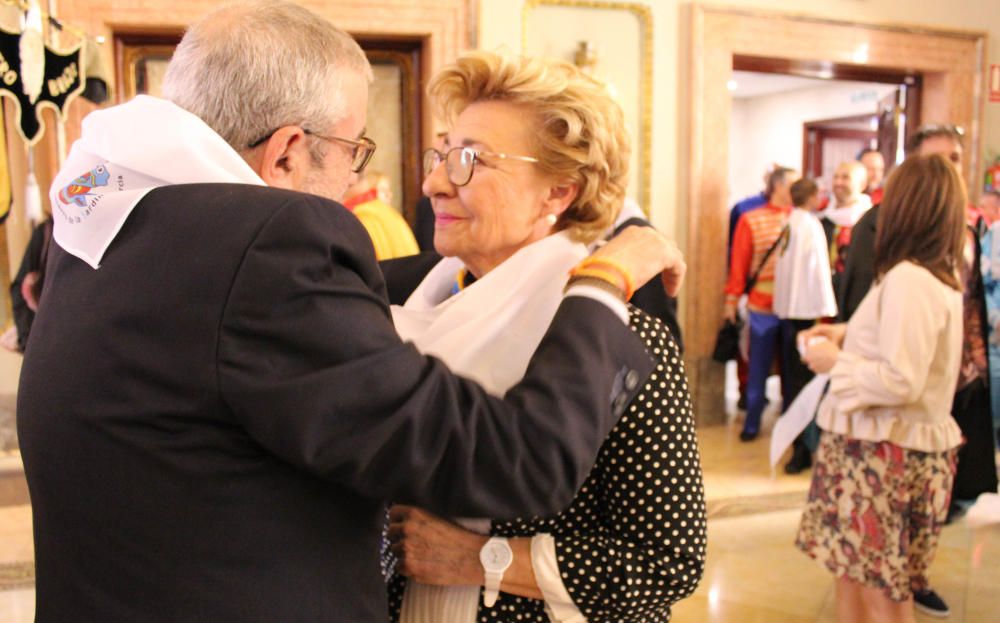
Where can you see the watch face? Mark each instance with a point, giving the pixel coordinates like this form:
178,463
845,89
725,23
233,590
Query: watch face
496,556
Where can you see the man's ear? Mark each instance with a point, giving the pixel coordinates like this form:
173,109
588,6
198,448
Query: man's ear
284,159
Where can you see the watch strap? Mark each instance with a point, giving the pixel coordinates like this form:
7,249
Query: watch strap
492,589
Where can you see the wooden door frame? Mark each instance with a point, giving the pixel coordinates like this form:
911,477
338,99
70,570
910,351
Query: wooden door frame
408,54
951,62
131,47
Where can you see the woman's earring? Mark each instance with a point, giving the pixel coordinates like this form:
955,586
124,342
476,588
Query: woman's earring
551,219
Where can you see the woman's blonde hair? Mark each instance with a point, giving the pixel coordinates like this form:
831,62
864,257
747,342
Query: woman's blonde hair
580,132
922,218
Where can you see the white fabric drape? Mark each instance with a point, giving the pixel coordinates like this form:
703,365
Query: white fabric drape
803,287
123,153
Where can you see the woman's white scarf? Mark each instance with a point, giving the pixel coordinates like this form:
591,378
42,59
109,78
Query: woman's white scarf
123,153
489,330
486,332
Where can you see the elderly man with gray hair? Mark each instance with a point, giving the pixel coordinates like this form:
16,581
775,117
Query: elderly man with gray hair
214,405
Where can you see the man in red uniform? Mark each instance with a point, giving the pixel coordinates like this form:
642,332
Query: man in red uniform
756,233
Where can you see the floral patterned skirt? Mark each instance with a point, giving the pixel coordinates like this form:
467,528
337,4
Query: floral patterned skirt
875,511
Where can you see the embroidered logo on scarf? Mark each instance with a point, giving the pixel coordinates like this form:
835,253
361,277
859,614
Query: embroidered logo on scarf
80,188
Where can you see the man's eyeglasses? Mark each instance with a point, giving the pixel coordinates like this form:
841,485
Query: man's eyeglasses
364,147
460,162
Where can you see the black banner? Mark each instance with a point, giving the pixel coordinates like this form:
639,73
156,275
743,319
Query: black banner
64,80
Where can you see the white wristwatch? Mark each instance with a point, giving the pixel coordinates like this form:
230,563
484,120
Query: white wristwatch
496,557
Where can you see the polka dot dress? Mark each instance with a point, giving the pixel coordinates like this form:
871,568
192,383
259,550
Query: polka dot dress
632,542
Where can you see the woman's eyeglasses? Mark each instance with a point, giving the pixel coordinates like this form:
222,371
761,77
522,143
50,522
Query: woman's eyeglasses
460,162
364,147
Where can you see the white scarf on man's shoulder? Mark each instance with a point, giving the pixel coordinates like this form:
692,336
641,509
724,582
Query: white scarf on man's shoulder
123,153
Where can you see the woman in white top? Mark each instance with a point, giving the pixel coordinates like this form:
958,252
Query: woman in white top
886,460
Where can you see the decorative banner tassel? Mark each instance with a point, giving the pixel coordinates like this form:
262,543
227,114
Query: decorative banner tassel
32,50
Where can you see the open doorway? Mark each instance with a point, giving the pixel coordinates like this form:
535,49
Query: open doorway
843,109
807,124
950,68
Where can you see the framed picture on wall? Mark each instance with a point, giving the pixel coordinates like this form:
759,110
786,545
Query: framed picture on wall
394,118
141,62
393,105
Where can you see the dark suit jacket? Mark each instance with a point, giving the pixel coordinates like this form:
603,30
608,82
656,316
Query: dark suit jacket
859,268
652,298
211,422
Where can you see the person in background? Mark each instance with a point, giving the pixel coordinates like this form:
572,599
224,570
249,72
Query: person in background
370,199
26,288
803,293
874,164
743,206
738,210
989,206
883,474
756,234
971,408
847,206
989,203
942,139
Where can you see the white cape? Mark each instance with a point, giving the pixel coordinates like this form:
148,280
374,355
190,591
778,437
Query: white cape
802,282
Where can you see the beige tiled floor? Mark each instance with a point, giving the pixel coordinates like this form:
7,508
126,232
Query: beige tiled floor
754,573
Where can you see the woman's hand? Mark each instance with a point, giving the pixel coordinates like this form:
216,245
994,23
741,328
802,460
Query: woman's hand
833,332
821,356
432,550
646,253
